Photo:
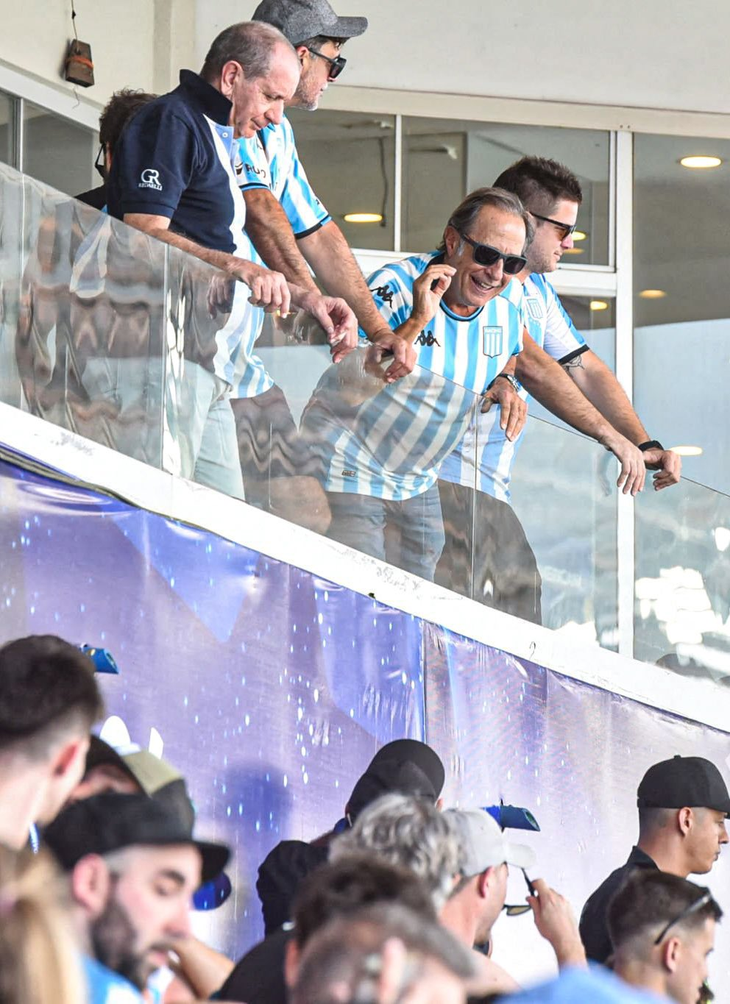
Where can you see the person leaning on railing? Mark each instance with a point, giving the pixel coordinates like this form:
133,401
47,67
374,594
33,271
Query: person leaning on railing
174,177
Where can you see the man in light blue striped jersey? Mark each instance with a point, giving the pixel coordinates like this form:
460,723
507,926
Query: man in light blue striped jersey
504,567
380,444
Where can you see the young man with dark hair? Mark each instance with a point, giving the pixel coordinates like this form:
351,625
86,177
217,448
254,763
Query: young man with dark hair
117,112
48,702
683,804
505,570
662,928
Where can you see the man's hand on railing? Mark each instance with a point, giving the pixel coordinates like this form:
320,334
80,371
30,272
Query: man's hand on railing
668,467
633,472
387,342
514,409
334,315
269,290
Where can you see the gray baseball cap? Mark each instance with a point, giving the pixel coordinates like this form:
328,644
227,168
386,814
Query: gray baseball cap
484,845
299,20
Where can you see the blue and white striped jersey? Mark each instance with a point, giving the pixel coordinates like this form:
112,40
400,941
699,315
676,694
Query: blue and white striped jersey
270,160
485,456
388,440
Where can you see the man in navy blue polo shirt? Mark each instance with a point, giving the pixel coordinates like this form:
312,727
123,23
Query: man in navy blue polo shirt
174,176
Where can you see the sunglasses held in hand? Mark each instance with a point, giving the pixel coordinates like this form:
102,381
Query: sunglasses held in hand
517,909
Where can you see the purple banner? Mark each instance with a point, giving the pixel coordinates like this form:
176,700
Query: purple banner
270,689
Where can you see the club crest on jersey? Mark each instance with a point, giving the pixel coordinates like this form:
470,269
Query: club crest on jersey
534,308
492,339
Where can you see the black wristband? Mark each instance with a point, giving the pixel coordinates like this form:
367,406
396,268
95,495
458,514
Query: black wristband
653,444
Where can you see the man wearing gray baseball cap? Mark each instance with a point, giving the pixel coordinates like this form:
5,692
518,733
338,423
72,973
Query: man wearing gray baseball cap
288,225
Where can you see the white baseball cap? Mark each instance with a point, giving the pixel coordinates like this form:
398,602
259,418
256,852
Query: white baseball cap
483,843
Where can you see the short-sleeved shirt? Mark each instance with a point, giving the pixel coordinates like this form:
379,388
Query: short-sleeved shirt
270,160
593,924
484,459
178,158
391,445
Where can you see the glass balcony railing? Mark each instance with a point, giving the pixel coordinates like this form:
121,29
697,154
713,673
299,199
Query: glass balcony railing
133,344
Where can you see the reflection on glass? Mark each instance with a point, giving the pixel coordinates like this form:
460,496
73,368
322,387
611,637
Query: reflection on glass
349,159
6,128
682,338
57,151
564,495
444,159
682,616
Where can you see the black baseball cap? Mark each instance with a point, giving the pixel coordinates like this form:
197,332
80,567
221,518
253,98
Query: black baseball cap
405,766
112,821
683,781
300,20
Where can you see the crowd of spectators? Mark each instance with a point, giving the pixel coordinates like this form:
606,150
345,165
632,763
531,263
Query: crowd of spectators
400,901
406,447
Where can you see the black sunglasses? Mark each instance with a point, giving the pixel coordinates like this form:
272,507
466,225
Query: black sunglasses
100,163
485,254
704,899
565,228
337,64
517,909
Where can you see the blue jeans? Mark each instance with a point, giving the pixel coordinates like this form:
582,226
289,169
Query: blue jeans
408,534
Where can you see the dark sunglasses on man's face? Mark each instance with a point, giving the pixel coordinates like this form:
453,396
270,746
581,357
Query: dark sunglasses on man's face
100,162
564,229
485,254
518,909
337,64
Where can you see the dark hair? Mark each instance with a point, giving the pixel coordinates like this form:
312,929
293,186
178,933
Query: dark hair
341,888
540,183
119,110
652,819
317,41
465,214
47,690
250,43
649,900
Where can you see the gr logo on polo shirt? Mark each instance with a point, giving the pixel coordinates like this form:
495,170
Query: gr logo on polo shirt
492,339
150,179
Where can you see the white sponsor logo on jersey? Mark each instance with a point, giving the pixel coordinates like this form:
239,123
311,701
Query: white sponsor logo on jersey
150,179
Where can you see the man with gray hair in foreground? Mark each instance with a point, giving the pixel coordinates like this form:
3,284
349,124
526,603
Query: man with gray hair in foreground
382,955
463,858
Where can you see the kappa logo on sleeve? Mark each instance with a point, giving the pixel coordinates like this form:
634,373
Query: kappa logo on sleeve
492,339
150,179
385,293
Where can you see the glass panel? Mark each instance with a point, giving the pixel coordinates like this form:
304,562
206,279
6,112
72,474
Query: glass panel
57,151
682,317
564,496
595,319
349,159
683,581
83,339
6,128
444,159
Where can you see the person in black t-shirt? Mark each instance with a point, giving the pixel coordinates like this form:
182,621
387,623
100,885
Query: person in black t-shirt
683,804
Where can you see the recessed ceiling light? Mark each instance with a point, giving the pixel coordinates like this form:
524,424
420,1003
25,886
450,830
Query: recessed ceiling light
598,305
700,162
652,294
579,235
687,451
573,251
363,218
